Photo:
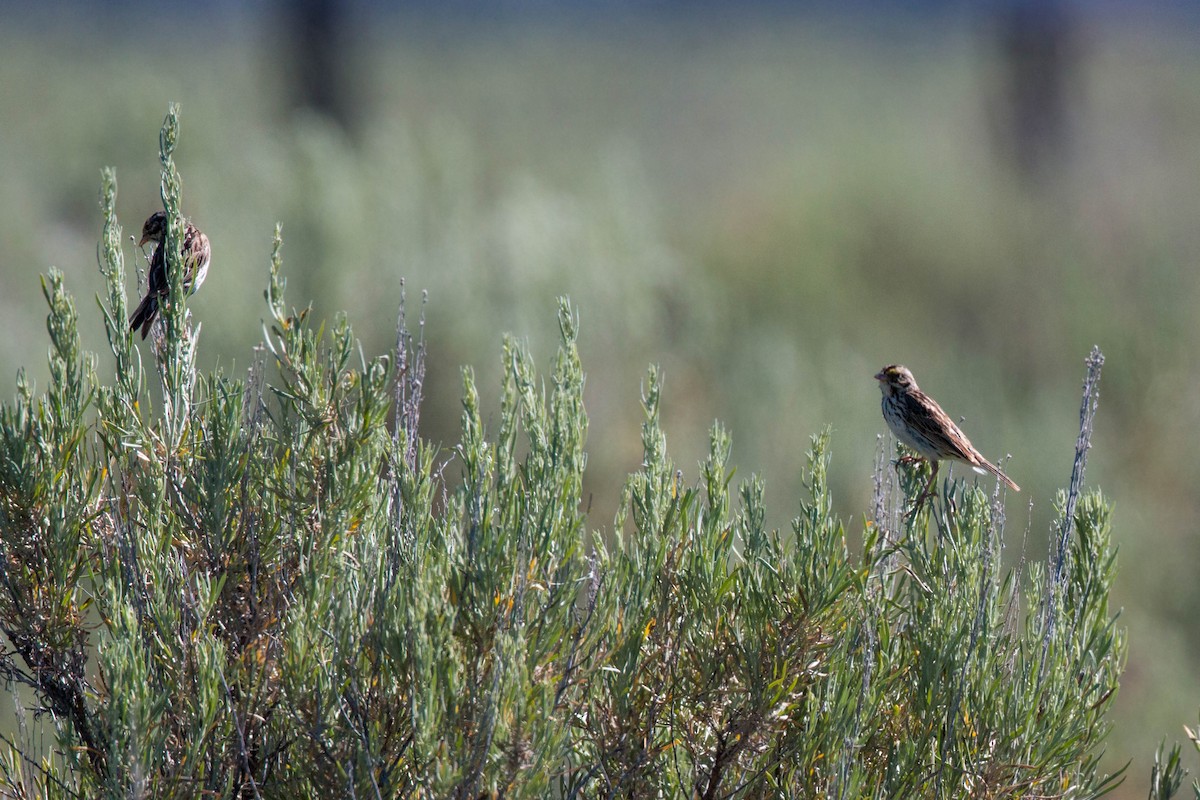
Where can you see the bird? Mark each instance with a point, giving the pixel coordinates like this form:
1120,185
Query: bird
920,423
196,257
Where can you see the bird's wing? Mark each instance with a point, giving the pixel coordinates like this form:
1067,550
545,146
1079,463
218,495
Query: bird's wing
195,258
939,430
157,277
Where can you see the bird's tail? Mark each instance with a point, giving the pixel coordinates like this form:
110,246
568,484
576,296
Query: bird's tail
143,316
986,466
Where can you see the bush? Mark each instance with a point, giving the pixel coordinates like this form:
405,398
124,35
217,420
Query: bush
273,587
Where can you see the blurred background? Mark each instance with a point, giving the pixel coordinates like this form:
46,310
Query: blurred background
771,200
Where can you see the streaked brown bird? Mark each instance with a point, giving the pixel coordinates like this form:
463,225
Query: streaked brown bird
196,256
921,424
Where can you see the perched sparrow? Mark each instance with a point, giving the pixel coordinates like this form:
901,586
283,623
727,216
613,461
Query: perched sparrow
919,422
196,256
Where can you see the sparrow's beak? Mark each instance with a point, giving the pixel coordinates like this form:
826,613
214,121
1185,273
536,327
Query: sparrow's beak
143,240
879,376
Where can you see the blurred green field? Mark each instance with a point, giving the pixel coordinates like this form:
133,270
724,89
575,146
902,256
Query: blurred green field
771,209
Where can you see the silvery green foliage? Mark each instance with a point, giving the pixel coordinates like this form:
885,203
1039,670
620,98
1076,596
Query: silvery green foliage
272,586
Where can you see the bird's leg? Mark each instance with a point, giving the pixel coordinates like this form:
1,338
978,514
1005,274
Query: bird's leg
926,492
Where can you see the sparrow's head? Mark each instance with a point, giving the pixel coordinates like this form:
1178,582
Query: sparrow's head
895,379
154,229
